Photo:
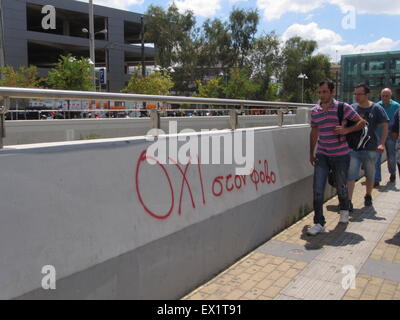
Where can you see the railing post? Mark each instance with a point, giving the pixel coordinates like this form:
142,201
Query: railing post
303,115
3,111
2,127
280,117
233,119
155,119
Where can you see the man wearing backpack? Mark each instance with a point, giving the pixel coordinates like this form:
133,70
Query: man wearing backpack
376,117
390,106
332,151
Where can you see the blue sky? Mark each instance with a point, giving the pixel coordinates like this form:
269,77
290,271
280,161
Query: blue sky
339,26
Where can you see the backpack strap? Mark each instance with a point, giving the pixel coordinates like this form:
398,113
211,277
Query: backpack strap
340,112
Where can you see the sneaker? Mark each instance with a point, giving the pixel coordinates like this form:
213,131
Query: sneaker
392,178
351,209
376,184
344,216
367,200
315,230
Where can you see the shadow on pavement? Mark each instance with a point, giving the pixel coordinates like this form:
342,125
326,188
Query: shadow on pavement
366,213
395,240
334,238
390,186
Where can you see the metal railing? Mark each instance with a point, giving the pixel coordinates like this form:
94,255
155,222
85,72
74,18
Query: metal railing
7,93
104,113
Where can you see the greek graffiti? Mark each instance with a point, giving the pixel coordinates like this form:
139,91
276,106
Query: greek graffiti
218,186
237,182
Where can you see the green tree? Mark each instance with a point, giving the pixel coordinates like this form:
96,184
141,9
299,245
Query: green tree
216,38
265,61
271,93
211,89
240,86
299,57
243,26
168,29
71,74
188,68
25,77
154,84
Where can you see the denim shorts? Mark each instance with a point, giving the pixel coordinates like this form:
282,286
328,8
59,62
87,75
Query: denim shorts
367,159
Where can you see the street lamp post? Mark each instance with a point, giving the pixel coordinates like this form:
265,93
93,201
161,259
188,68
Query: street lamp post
91,41
303,77
142,46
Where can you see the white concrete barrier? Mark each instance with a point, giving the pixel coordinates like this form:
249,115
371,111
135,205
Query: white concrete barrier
39,131
114,226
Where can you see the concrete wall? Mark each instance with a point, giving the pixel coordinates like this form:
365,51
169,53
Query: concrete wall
35,131
115,226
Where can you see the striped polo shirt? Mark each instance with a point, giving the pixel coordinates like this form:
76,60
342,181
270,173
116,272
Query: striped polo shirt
329,143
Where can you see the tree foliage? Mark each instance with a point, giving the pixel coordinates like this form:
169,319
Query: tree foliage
232,49
213,88
240,86
243,26
25,77
155,84
168,30
71,73
299,57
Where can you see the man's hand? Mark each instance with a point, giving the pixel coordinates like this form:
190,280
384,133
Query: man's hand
313,160
381,148
340,130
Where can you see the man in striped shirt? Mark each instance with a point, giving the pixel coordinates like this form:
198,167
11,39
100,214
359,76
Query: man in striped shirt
332,151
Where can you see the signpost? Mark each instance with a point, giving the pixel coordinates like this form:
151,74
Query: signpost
101,76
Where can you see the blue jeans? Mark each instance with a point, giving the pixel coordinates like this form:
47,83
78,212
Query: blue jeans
390,146
365,159
340,166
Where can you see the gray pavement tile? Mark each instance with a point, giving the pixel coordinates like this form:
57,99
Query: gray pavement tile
381,269
289,250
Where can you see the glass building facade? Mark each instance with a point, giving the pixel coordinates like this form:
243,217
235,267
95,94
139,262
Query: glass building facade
377,70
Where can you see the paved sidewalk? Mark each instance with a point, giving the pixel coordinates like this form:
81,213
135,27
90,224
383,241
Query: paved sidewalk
295,266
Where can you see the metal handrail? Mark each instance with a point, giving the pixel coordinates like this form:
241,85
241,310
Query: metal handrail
11,92
8,93
163,113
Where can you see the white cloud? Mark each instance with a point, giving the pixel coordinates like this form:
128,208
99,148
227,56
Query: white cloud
329,41
117,4
274,9
324,37
389,7
203,8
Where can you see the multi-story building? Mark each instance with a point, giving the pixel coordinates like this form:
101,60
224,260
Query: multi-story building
24,40
378,70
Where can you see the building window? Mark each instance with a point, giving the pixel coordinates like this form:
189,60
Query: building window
377,65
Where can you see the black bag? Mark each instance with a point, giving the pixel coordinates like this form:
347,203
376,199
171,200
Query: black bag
357,140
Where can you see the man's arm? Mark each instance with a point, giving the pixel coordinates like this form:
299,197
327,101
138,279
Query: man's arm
360,124
313,143
394,130
385,132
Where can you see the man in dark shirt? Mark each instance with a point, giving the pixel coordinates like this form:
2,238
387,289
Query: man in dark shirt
394,133
376,117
